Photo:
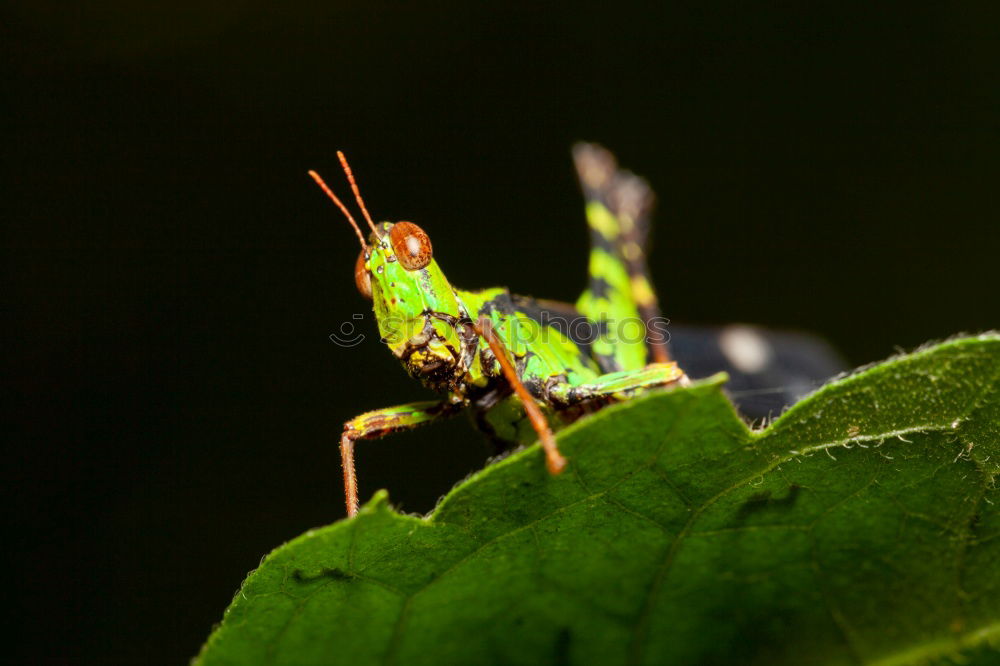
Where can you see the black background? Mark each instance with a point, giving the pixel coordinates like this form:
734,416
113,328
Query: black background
171,274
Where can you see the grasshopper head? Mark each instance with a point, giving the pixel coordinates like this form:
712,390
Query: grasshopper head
414,303
419,316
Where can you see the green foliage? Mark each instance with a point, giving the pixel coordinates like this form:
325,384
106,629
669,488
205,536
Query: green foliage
863,526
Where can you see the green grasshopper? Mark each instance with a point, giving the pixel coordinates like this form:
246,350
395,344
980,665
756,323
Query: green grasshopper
524,367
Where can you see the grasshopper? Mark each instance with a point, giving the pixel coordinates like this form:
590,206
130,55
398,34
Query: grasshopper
523,366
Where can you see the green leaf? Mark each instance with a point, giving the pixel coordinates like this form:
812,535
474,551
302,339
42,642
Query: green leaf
862,527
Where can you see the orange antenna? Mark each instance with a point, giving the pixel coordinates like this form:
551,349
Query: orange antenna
343,208
357,192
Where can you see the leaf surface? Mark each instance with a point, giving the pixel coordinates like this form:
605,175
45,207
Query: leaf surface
862,527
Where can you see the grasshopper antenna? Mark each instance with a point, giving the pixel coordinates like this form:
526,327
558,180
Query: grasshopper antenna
357,192
319,181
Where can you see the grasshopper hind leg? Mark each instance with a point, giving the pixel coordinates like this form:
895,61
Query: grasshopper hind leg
619,207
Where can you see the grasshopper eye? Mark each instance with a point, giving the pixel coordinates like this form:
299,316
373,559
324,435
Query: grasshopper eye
362,277
411,245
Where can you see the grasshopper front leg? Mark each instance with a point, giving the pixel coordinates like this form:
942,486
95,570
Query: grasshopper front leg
553,459
375,424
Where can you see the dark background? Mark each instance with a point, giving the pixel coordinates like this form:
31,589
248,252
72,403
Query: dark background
171,275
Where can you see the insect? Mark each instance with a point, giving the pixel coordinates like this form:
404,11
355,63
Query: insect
524,366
